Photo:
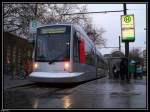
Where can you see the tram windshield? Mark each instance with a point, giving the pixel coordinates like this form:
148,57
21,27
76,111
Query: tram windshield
53,44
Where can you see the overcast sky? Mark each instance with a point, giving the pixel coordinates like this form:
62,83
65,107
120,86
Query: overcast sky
111,23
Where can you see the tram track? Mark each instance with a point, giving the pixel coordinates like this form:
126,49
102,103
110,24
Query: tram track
39,90
33,87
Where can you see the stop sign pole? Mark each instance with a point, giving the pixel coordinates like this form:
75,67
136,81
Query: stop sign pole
126,43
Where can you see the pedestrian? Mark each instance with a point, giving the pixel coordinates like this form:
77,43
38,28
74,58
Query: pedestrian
118,72
121,70
124,69
114,71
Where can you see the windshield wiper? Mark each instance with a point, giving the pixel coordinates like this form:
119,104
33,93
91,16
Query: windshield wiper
52,61
41,57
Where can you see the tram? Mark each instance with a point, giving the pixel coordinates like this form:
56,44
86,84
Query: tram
63,53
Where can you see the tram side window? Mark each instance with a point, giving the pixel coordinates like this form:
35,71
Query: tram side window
88,53
76,47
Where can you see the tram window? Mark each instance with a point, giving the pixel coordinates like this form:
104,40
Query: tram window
89,50
88,55
76,47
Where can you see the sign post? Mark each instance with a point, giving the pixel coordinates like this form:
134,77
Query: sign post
127,28
33,26
32,29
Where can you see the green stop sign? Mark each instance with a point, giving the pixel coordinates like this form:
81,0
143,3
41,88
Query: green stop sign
34,24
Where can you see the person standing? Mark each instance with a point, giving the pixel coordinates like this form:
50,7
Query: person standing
124,69
121,70
115,71
118,72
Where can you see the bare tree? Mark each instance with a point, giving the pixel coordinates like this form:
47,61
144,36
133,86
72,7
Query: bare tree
135,54
18,16
56,13
97,37
96,34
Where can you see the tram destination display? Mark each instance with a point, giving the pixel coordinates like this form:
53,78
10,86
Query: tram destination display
51,30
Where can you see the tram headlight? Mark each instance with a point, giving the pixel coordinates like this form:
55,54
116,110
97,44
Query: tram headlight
35,65
66,66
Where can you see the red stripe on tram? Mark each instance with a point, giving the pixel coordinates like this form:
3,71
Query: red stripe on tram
82,51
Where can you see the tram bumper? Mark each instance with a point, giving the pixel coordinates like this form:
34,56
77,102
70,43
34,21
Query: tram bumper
56,77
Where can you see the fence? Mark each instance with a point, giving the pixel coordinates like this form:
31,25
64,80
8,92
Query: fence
16,50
